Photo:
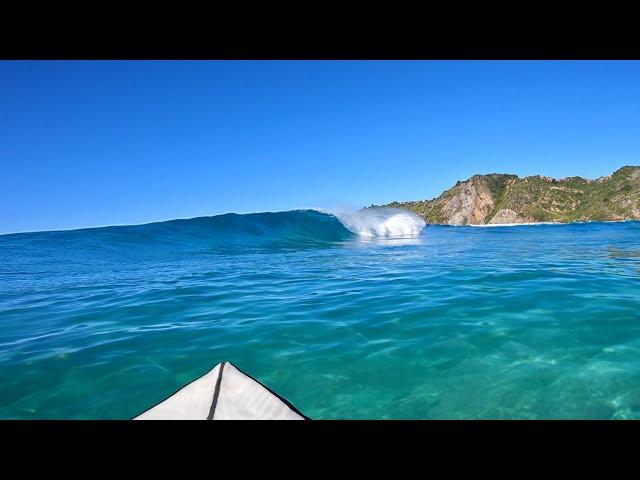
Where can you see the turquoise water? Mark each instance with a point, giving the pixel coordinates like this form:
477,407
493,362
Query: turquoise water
523,322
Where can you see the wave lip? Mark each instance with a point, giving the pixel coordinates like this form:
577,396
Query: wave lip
382,222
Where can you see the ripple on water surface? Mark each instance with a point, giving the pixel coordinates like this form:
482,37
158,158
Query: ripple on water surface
523,322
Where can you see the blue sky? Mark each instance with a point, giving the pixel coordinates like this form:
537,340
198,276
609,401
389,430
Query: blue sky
104,143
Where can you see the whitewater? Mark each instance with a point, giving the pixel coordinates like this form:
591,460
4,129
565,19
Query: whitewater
380,222
348,314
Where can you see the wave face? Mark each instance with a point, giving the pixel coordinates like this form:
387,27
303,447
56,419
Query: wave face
297,226
347,315
293,229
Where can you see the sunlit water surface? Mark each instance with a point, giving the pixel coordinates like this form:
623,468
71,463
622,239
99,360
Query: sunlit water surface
527,322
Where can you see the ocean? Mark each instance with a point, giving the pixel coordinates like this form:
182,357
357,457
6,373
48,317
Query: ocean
357,315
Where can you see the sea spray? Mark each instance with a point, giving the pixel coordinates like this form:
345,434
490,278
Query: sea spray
381,222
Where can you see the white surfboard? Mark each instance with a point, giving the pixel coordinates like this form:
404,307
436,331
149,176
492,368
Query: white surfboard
224,393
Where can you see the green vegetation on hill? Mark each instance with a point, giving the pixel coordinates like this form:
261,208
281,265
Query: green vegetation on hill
503,198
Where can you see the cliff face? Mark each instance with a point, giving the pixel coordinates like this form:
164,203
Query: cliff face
502,198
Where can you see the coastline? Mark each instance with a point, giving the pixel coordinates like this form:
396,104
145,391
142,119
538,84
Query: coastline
488,225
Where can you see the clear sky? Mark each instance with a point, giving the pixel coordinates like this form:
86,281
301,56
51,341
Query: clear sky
104,143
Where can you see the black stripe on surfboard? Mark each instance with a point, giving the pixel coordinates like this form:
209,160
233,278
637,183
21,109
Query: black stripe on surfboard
216,393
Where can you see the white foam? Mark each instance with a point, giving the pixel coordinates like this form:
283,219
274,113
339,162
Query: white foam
515,224
381,222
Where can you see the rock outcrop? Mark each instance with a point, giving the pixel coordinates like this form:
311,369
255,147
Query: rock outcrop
507,215
471,204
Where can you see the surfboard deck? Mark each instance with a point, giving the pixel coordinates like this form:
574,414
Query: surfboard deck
223,393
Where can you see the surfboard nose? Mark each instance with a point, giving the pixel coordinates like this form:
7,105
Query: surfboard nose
223,393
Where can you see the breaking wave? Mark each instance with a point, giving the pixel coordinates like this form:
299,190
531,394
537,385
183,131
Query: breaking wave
239,232
382,222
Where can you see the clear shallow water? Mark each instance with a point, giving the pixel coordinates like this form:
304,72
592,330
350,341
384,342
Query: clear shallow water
458,322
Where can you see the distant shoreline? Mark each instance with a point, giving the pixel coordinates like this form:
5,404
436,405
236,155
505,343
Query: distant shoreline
489,225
